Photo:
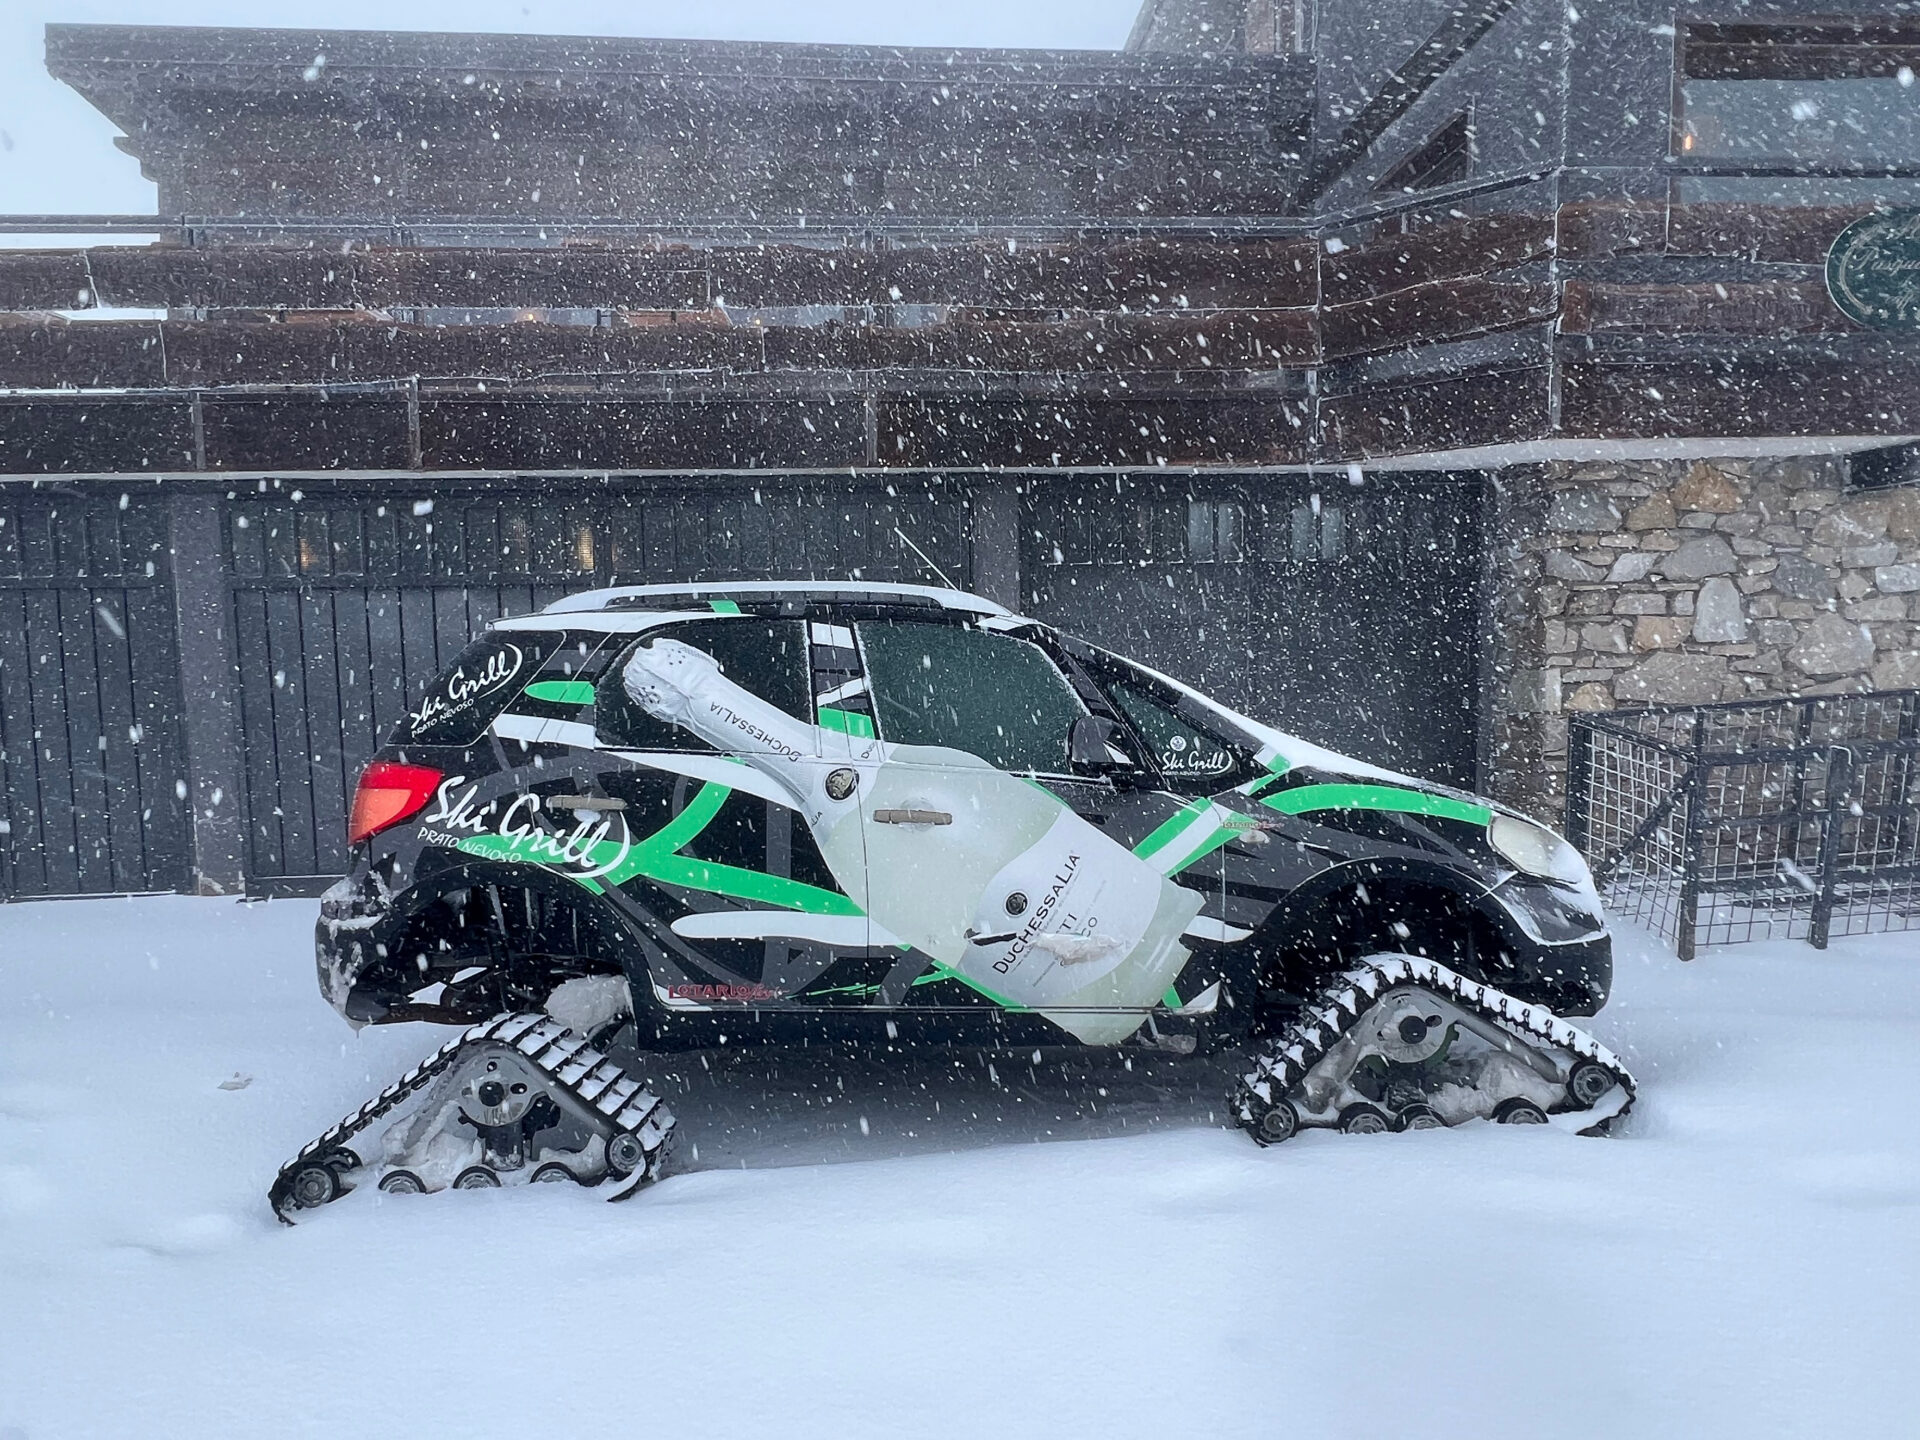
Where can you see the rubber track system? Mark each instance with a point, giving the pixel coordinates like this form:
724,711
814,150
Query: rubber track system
1272,1100
635,1127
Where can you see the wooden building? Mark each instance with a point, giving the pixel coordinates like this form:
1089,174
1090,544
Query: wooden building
1407,372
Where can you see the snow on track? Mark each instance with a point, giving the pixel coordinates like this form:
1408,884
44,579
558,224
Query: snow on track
1743,1261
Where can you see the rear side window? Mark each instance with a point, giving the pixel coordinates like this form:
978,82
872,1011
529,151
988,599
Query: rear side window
471,692
965,689
766,657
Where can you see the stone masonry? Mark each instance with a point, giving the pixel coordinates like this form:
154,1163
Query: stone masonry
1627,584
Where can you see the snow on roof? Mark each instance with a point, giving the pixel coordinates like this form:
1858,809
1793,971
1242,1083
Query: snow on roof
625,595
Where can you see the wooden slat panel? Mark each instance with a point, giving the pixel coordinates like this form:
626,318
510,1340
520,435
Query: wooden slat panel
53,751
95,434
1773,308
1446,310
293,739
325,699
1260,273
259,740
1442,413
1802,396
1798,235
1483,245
119,758
386,681
160,757
1602,229
20,803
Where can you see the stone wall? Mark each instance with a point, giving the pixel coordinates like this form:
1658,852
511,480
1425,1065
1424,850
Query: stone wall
1651,583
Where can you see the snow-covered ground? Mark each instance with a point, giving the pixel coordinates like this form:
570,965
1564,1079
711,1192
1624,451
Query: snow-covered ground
1743,1261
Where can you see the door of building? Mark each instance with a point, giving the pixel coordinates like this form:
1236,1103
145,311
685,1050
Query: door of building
1351,615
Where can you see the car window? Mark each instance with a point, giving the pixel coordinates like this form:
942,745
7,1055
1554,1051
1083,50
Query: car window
1189,757
994,696
766,657
467,697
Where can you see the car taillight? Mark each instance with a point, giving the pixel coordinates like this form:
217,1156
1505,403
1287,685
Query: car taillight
386,795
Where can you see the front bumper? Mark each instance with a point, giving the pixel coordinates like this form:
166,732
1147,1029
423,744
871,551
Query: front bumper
1557,952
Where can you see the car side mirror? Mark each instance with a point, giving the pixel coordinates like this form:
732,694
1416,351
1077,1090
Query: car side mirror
1093,746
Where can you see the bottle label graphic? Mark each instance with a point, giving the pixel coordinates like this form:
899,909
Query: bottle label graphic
995,878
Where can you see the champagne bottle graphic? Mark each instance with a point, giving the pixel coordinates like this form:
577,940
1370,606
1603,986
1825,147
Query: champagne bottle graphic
994,877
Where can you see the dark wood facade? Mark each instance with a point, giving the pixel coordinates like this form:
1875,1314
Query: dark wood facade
651,278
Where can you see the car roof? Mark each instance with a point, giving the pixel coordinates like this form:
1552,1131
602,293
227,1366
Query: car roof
633,598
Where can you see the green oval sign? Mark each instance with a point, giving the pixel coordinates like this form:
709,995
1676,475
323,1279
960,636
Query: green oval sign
1873,270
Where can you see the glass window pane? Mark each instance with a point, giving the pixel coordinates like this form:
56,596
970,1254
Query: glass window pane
767,657
990,695
1801,122
1179,750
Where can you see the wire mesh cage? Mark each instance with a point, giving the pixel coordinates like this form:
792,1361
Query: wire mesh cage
1769,819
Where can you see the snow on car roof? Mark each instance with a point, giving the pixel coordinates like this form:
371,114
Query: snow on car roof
625,595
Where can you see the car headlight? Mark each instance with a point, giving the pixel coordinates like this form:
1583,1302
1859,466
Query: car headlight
1536,850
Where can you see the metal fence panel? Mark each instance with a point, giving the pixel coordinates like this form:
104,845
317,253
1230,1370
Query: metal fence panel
1773,819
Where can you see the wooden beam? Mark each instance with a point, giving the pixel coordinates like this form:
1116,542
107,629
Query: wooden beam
1167,275
42,354
1792,307
1483,245
1432,314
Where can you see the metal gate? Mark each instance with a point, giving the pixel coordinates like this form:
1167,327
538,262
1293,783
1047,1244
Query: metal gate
91,755
1348,614
345,606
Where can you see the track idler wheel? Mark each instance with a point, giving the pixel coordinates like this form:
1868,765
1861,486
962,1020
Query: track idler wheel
313,1185
1518,1112
1278,1125
1588,1083
625,1154
1364,1120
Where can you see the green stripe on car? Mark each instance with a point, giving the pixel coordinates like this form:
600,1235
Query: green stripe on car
846,722
562,692
1310,798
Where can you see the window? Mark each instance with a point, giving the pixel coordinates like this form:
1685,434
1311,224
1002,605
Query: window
466,698
1216,532
1319,531
1810,96
1192,758
767,657
1446,159
990,695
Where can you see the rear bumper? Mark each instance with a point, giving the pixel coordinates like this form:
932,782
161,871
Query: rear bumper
352,941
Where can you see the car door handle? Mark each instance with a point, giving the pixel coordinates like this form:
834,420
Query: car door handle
912,817
582,802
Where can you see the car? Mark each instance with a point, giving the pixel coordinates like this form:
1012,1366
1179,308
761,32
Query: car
870,811
758,813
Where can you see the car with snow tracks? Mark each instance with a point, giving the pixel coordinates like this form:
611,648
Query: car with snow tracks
896,815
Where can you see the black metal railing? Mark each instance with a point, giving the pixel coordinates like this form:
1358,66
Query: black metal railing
1768,819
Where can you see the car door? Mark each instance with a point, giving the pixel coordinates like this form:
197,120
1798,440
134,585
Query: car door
1069,922
718,866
